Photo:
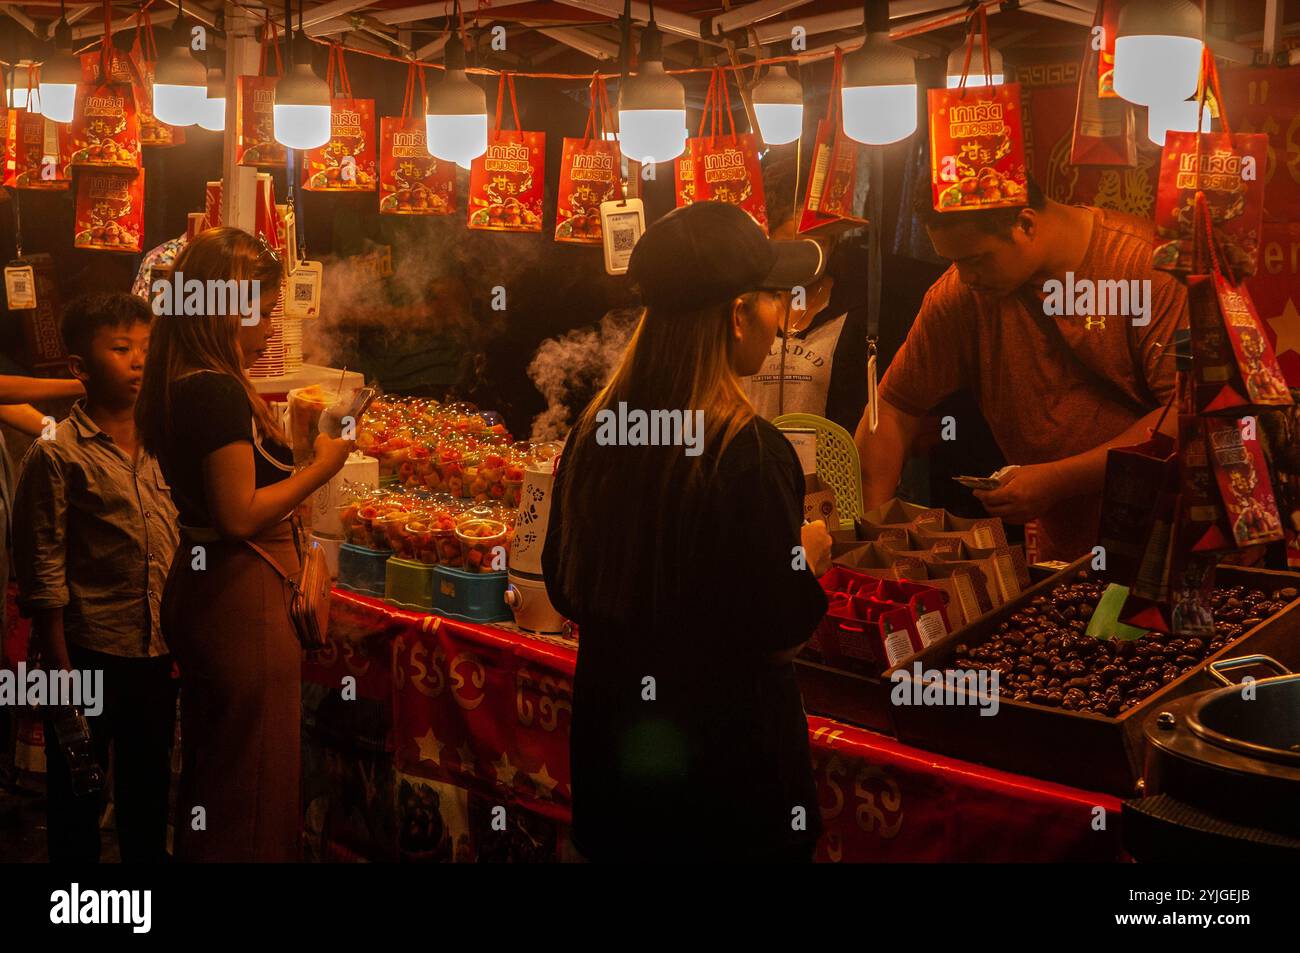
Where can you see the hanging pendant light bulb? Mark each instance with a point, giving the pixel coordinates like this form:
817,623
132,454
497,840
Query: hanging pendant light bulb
302,99
213,117
16,93
180,84
880,94
1175,117
778,106
652,106
975,75
60,74
1157,51
455,111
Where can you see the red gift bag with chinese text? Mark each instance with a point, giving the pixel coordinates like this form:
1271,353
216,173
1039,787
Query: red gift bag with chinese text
833,178
34,148
721,167
144,57
255,143
411,181
506,182
110,210
977,143
1105,132
1229,168
104,131
347,162
591,172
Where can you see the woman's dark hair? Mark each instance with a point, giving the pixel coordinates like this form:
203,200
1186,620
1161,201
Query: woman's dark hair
991,221
86,314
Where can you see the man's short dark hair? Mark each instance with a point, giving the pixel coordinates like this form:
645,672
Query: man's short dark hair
85,315
991,221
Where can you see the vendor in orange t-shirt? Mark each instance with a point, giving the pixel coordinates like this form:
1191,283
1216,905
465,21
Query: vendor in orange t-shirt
1052,316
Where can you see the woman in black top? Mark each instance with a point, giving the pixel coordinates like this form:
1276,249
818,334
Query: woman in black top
225,608
682,565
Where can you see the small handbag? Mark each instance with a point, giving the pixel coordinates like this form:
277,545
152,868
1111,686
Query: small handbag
309,604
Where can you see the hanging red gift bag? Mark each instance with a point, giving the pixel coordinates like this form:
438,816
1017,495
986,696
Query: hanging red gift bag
1229,168
34,150
832,180
104,131
411,181
977,148
1105,132
347,162
506,182
110,210
721,167
255,143
144,56
590,173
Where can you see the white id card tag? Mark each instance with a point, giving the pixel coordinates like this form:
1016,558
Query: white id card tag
302,291
20,287
873,401
622,223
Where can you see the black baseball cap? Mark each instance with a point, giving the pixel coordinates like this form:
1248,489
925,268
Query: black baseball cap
711,252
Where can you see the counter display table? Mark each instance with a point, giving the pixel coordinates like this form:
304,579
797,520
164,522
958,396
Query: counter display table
426,738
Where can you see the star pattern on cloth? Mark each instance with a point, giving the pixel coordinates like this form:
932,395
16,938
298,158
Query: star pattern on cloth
545,783
467,759
505,770
430,748
1287,328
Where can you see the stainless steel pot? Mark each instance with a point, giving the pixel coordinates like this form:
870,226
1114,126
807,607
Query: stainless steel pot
1222,771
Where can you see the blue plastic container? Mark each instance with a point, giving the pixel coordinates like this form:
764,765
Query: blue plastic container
470,596
363,570
409,584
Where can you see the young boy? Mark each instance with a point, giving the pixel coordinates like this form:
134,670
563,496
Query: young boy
94,534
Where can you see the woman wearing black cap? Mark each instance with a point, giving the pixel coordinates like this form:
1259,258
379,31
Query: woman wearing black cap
680,555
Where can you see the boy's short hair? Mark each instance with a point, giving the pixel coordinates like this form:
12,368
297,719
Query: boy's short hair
86,314
991,221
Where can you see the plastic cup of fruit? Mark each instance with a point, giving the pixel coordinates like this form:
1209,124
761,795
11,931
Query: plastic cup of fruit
388,530
487,481
361,532
481,539
419,536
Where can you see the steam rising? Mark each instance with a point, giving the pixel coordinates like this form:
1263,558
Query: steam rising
568,370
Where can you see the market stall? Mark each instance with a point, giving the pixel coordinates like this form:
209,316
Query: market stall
975,690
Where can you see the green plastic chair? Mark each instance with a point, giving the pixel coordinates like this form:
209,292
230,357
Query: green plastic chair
837,461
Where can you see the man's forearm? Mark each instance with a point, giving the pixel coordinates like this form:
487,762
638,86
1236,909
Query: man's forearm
881,455
1084,474
27,390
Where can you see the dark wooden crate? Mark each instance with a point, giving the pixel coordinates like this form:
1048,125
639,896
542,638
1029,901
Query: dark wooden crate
862,698
1084,750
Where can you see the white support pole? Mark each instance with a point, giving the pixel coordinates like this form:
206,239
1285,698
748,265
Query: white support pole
239,183
1272,28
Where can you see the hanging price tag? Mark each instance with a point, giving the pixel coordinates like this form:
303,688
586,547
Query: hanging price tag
20,286
302,291
621,224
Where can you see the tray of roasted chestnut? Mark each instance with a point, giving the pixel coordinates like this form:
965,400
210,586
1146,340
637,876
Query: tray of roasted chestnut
1070,706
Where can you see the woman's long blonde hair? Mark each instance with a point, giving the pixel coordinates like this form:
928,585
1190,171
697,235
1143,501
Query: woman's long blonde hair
676,360
181,343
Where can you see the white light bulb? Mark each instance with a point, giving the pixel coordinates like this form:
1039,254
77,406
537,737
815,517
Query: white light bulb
459,139
178,105
1156,69
301,127
1176,117
652,135
57,100
973,79
779,122
213,117
879,115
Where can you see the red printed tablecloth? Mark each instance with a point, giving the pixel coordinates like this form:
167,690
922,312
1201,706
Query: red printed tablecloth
475,762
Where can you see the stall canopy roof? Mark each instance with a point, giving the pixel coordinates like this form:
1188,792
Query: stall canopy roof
581,35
